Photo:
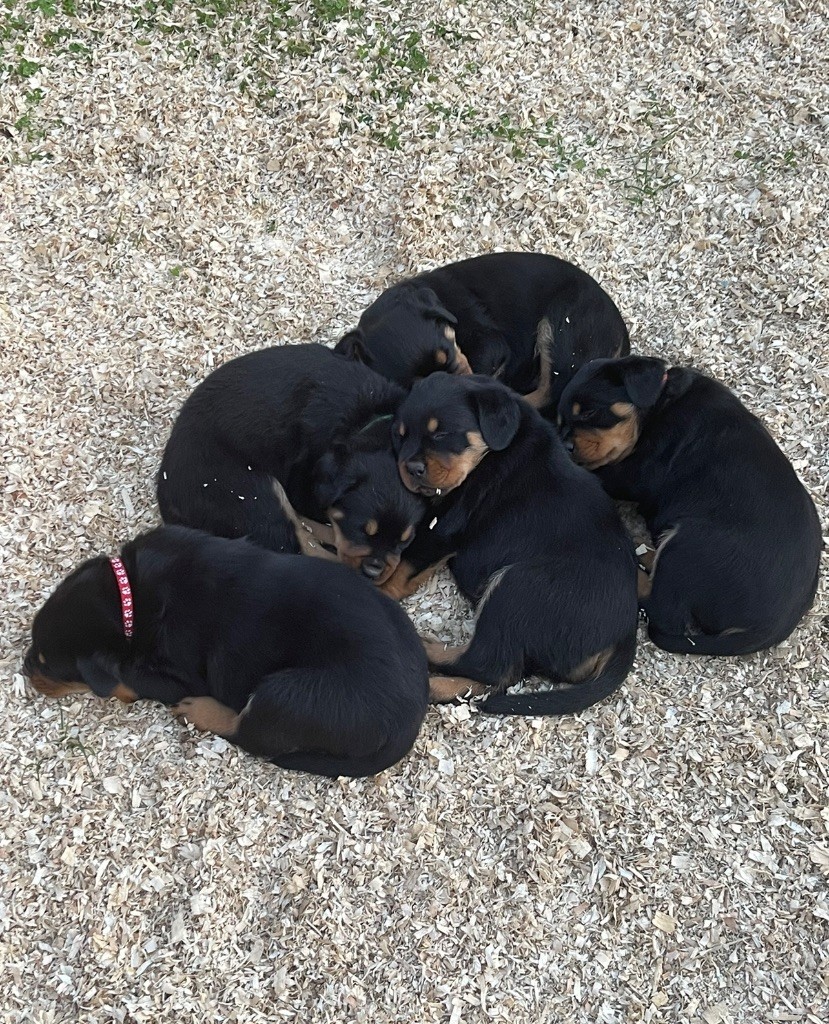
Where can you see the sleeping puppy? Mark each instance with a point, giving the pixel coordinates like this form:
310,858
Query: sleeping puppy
526,318
531,539
292,659
294,427
737,537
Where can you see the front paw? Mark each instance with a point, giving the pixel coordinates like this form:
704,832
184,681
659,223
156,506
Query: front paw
207,715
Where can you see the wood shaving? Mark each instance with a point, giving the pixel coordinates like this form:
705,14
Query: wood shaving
182,183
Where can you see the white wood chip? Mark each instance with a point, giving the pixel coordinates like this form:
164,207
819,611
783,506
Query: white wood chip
182,183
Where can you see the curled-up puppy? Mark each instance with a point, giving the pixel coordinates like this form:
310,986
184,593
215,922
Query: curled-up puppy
737,536
527,318
293,427
295,660
531,539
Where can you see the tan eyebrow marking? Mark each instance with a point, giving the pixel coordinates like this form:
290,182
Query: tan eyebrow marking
576,408
432,425
401,430
371,527
441,358
407,533
449,333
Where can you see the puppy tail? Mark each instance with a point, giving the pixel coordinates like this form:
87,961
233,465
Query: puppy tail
570,699
544,354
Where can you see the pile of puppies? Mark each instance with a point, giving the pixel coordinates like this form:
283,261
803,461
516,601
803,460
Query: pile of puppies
440,431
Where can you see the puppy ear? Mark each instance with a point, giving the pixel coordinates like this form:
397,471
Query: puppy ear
498,414
352,346
101,673
332,478
642,378
431,306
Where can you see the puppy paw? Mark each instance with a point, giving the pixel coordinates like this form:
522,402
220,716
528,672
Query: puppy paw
207,715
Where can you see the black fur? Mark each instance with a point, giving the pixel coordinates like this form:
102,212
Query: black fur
742,568
526,514
331,671
494,303
314,421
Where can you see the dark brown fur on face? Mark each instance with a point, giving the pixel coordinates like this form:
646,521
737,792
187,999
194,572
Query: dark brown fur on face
532,539
445,471
527,319
596,447
714,489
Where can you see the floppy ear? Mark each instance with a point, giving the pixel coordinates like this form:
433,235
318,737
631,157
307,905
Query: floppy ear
352,346
642,378
332,477
101,673
430,305
498,414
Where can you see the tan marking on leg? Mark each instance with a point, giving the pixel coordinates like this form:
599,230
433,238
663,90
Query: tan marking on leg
590,667
310,535
491,585
208,715
461,362
56,688
664,538
443,689
402,583
644,584
440,654
544,350
124,693
646,558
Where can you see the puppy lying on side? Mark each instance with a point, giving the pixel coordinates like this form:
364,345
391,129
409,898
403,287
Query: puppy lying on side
292,659
294,427
524,317
737,537
537,546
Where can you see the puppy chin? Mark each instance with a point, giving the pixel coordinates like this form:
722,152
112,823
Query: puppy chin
387,573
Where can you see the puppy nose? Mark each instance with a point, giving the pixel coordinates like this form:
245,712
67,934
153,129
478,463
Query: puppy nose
372,567
416,468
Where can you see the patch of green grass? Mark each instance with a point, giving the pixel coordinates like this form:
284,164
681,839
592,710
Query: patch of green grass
326,11
26,68
649,174
785,161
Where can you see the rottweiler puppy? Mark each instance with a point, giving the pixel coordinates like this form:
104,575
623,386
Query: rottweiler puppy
293,427
737,536
292,659
532,540
526,318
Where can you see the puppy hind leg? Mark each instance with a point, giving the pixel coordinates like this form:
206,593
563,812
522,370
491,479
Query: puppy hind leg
544,353
314,539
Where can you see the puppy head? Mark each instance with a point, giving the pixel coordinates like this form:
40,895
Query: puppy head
601,409
408,334
77,637
373,516
447,425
